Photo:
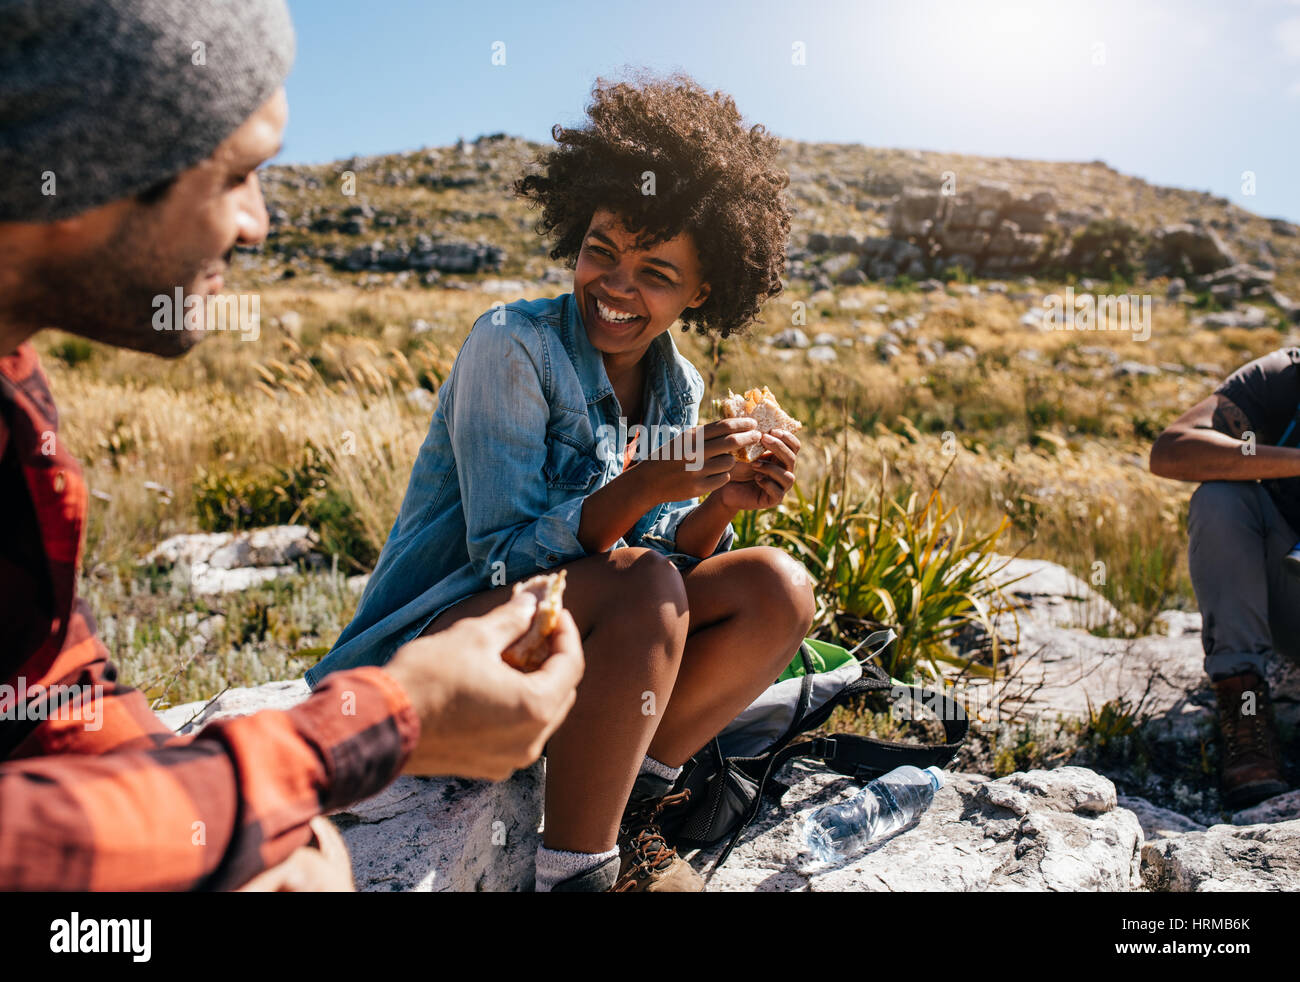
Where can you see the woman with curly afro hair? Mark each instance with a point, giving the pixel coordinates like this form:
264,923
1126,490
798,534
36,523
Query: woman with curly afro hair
567,437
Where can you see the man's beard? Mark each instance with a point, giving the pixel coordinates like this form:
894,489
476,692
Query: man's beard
108,295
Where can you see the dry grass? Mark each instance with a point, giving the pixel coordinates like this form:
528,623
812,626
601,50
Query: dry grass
341,379
1041,429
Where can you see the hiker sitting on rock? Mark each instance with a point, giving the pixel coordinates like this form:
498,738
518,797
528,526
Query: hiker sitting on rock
536,459
129,173
1242,444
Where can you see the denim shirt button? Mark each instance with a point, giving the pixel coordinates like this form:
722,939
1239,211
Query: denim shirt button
552,558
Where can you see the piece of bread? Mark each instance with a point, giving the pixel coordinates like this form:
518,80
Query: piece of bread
761,406
534,647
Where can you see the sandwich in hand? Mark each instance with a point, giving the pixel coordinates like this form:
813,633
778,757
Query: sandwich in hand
534,647
761,406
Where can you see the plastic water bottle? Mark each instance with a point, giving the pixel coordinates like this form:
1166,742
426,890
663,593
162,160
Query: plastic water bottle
837,832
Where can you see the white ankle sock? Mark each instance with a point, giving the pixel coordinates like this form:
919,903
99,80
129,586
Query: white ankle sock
554,866
660,769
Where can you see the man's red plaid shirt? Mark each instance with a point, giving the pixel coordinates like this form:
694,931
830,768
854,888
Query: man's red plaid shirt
127,804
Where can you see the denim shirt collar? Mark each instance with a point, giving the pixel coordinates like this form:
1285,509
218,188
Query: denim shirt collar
664,370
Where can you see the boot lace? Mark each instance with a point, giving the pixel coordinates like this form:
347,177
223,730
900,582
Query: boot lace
1243,733
648,845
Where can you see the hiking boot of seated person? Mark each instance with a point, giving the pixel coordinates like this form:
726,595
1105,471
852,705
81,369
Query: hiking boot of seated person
1250,761
598,880
649,864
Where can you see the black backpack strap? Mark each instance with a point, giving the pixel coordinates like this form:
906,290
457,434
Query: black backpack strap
797,725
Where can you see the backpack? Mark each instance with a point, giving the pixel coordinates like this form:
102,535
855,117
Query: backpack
731,775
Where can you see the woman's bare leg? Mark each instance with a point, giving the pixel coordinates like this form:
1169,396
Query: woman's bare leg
749,610
630,607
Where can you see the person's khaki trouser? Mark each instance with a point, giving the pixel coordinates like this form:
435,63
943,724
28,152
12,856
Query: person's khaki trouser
321,866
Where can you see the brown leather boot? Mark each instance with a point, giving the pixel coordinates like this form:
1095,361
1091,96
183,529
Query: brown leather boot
1250,761
649,864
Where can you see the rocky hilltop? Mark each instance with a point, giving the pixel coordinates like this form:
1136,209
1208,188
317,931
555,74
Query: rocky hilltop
862,214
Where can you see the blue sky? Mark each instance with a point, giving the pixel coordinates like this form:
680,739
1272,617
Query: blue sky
1178,92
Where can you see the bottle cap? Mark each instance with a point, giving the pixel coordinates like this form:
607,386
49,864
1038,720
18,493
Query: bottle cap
936,776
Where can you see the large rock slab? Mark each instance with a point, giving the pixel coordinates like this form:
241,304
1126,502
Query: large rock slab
418,834
441,835
1226,858
1050,593
1061,668
1040,830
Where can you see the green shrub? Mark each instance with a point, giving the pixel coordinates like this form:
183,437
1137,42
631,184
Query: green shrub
902,562
72,351
1141,577
244,498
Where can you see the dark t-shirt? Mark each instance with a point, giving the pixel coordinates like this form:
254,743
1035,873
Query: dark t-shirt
1267,390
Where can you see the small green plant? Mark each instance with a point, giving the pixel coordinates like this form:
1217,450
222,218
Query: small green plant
1207,301
72,351
1142,579
903,561
1114,722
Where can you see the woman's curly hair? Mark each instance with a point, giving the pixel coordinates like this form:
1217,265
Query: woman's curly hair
714,179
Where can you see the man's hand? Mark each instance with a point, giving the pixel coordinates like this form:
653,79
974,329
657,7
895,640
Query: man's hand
323,866
480,718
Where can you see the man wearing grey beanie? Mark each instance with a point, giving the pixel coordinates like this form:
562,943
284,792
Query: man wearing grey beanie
130,136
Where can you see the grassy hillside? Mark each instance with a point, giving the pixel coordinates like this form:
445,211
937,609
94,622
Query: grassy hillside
320,419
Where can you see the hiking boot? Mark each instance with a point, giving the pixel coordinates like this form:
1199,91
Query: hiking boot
1250,764
598,880
648,863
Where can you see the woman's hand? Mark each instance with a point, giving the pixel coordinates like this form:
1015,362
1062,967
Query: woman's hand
696,462
765,481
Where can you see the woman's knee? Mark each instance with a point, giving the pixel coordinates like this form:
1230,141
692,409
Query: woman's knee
776,584
645,592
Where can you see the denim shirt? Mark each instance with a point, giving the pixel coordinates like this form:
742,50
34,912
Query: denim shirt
525,429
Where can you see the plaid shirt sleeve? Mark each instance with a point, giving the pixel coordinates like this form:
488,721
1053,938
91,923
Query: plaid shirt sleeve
98,794
209,811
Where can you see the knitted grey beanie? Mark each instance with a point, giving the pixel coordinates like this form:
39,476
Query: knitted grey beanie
101,99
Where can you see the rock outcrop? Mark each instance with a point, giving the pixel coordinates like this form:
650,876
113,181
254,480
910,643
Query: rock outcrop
1225,858
1185,248
988,230
992,231
418,834
223,562
1041,830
